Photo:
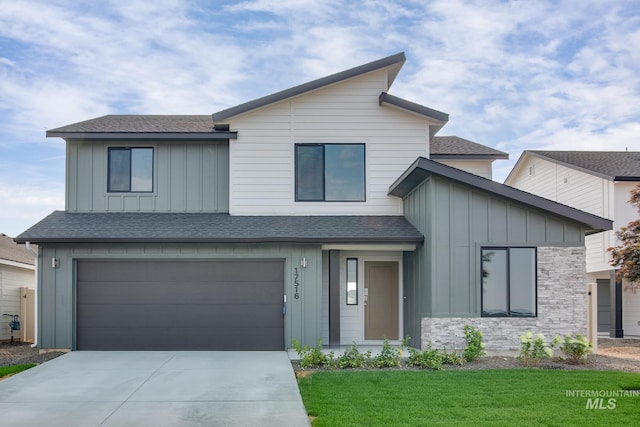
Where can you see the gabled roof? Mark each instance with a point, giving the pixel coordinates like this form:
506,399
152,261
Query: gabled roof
422,168
155,227
610,165
454,147
393,62
11,251
150,126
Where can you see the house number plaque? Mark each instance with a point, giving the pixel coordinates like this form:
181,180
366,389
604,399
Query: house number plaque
296,283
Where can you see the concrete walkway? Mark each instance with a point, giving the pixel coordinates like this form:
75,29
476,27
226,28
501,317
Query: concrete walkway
164,388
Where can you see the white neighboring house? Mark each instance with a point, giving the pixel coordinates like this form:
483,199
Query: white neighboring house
17,283
598,182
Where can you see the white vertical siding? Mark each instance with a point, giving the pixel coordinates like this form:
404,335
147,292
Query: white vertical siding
12,278
630,310
262,158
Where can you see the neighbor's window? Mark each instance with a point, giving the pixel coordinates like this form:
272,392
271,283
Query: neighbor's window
352,281
130,170
330,173
509,282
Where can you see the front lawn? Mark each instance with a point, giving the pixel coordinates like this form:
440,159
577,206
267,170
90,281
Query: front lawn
483,397
14,369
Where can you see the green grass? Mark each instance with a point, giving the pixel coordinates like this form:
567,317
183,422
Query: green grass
458,398
14,369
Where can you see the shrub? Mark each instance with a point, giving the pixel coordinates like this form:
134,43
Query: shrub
389,357
474,347
575,348
427,359
312,357
452,358
352,358
534,349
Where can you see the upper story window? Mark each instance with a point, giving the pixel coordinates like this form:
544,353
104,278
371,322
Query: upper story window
330,173
130,169
509,282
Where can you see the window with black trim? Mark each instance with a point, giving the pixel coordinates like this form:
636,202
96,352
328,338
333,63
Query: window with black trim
352,281
509,282
330,173
130,170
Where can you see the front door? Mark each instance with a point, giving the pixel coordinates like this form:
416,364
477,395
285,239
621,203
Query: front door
381,300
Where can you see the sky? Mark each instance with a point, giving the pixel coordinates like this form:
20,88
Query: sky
513,75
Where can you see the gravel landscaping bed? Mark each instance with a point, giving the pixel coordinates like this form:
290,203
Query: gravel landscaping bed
20,353
613,355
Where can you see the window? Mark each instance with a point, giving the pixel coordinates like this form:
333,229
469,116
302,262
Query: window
330,173
130,170
509,282
352,281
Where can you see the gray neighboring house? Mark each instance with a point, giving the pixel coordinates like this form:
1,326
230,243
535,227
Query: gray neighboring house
310,214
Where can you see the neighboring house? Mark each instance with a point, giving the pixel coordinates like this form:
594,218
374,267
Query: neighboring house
17,282
598,182
309,214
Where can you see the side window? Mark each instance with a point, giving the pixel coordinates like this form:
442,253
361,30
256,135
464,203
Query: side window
330,172
509,282
130,170
352,281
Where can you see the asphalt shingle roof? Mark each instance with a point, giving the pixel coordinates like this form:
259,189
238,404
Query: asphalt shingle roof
11,251
614,165
163,227
140,124
451,146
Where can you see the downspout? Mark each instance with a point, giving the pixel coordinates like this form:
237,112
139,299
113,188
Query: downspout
35,326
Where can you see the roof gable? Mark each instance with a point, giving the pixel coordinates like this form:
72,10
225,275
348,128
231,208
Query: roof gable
609,165
422,168
393,63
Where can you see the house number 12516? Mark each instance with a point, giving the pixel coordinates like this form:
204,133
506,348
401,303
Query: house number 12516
296,283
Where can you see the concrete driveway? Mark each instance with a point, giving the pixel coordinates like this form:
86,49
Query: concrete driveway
163,388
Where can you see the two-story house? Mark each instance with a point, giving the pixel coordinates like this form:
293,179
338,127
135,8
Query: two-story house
312,214
598,182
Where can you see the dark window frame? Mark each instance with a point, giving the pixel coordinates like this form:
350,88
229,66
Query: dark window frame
324,172
508,277
129,149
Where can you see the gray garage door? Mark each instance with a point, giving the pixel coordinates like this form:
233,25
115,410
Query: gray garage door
180,305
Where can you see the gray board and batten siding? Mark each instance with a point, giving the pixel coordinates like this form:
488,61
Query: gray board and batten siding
194,178
61,302
442,277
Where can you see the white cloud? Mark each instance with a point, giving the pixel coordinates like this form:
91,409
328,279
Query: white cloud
514,75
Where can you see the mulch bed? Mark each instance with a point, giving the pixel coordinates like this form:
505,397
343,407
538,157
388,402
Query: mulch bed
616,355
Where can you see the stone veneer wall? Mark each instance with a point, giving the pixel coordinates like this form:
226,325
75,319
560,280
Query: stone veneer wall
562,307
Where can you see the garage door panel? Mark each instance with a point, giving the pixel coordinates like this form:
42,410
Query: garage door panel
168,292
187,271
178,338
187,305
154,316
